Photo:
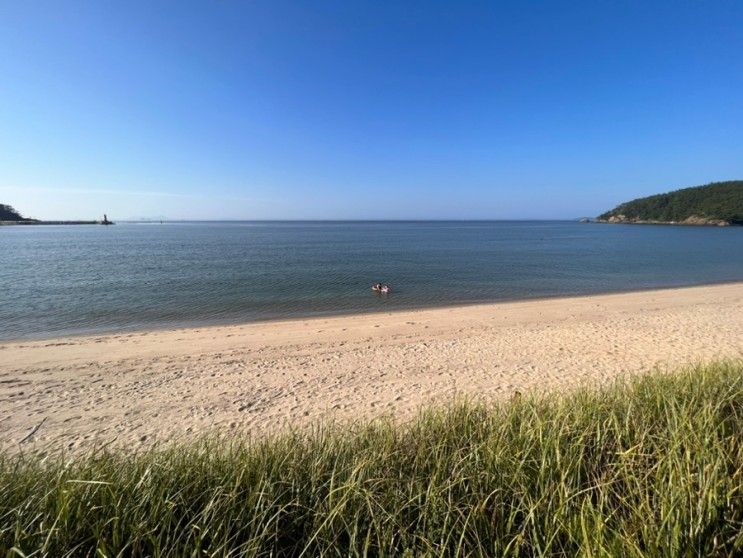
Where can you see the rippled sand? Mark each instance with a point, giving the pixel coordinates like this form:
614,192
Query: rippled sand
134,389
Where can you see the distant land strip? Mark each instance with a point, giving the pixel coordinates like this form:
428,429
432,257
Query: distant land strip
10,216
35,222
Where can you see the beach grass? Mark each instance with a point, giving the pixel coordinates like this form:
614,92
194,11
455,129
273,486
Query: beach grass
646,467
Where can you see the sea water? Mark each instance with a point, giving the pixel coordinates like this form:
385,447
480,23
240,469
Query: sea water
59,280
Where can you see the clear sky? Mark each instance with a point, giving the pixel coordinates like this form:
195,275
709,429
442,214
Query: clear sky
353,110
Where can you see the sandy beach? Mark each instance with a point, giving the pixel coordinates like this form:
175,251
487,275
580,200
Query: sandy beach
135,389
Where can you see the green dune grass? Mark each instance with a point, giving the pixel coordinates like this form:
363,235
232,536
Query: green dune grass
650,467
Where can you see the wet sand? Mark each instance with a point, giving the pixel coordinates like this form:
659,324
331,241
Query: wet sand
134,389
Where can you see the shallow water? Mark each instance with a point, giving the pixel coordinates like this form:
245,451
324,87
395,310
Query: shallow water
58,280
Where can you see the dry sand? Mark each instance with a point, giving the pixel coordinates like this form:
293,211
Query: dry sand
134,389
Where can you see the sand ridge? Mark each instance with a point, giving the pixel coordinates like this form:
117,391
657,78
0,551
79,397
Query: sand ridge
135,389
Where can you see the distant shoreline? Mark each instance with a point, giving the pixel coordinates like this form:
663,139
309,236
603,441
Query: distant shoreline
687,223
22,223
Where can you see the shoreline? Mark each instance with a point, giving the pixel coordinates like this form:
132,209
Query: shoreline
32,222
712,223
190,325
141,388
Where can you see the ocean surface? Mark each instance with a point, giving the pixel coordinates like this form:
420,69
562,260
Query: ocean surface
60,280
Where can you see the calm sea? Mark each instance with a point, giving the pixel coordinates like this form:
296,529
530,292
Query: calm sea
57,280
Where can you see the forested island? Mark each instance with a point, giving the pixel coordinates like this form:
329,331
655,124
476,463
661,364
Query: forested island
718,203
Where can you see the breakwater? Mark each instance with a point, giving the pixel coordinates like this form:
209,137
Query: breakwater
3,223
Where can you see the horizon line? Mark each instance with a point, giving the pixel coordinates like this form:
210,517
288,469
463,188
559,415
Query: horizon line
370,220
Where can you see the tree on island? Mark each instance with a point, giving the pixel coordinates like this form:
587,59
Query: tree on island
8,213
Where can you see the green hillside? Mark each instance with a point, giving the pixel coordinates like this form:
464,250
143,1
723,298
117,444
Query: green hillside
716,203
8,213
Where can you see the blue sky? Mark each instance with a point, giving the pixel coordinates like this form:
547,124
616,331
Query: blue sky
354,110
